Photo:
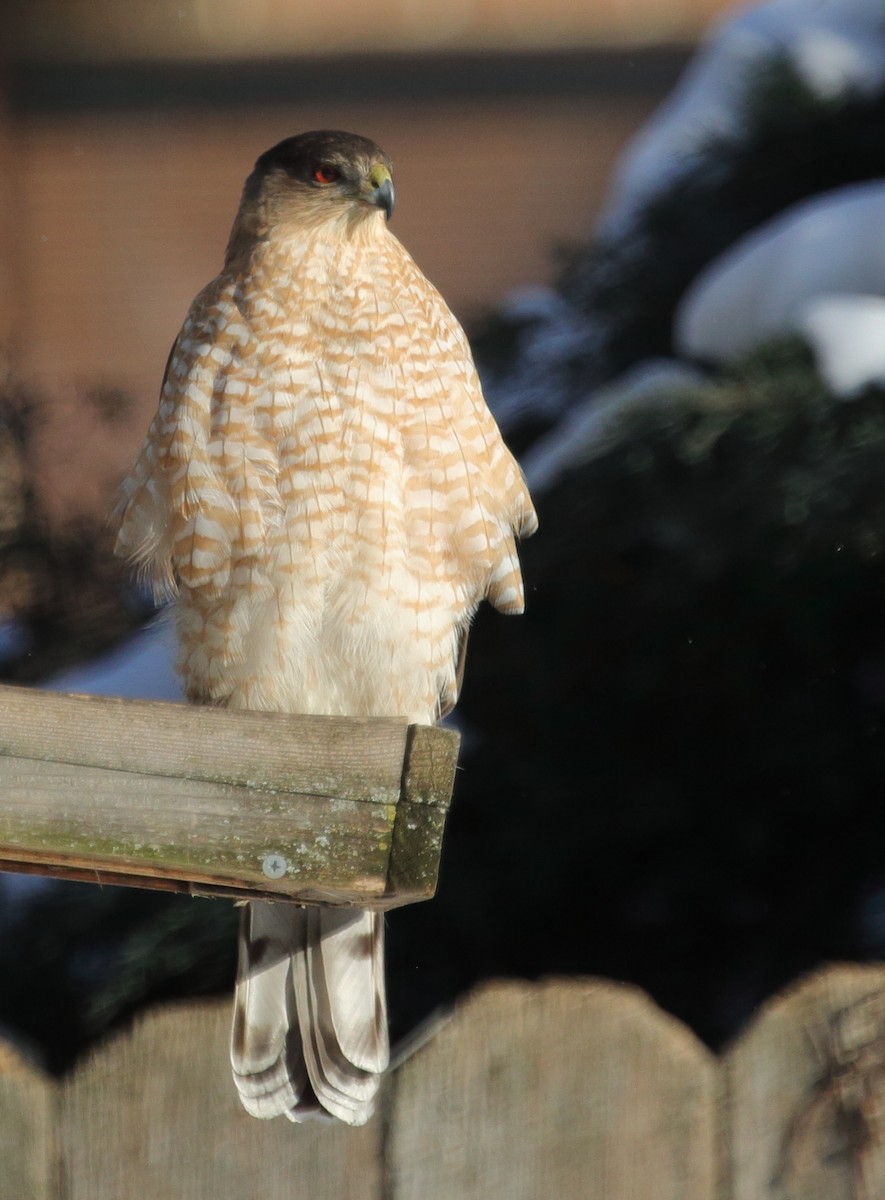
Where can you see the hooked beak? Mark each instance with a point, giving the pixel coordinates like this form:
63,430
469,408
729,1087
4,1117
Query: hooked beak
380,192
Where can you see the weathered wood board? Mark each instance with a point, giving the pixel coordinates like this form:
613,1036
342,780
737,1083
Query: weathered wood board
28,1118
215,802
155,1115
579,1088
567,1088
804,1092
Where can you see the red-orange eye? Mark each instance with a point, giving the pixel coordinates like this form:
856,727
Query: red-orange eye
326,173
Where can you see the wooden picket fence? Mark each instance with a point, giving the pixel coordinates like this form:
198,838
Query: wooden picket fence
577,1088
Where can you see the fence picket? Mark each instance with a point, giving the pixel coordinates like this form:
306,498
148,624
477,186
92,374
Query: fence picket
805,1092
566,1088
578,1088
27,1130
154,1114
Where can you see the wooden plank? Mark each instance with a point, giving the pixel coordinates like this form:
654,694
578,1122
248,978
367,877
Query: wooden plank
560,1089
27,1130
805,1093
209,834
213,802
428,778
347,758
154,1114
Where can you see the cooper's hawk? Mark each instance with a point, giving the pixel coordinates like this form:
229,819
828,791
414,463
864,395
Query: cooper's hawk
327,494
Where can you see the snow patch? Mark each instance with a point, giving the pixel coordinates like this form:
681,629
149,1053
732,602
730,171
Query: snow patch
848,337
761,286
837,47
591,428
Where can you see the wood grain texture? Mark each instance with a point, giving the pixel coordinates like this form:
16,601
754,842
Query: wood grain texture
207,833
309,809
573,1088
28,1117
560,1089
804,1088
153,1114
347,758
430,764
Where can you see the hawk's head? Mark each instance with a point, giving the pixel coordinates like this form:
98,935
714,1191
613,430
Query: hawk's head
314,177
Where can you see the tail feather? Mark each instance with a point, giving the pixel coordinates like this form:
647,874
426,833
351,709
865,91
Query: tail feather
340,1088
310,1028
266,1052
351,947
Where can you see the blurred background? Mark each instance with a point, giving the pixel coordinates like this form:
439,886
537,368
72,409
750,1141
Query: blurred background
663,225
128,135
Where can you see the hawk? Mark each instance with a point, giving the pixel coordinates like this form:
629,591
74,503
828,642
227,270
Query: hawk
327,496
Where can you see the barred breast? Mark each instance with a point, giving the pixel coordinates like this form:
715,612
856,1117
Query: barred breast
325,486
